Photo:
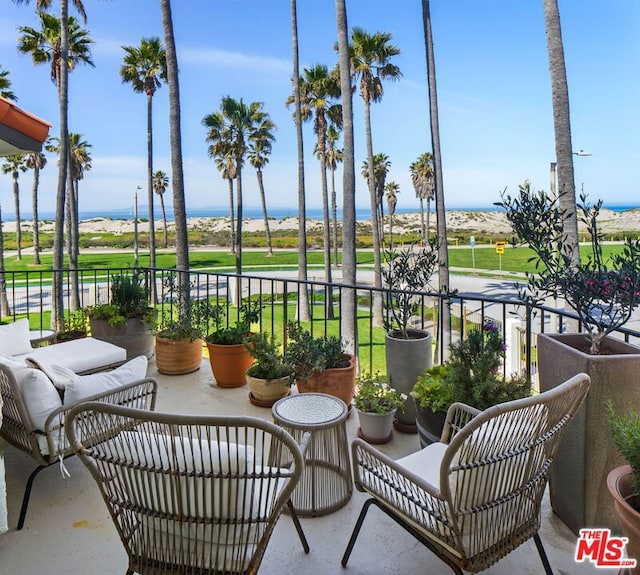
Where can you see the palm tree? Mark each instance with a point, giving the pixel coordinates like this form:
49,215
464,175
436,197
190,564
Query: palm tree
57,317
179,207
303,309
370,63
36,161
333,157
381,165
237,124
562,128
14,165
225,163
160,185
441,215
422,179
5,310
5,86
145,67
348,323
392,190
259,151
318,91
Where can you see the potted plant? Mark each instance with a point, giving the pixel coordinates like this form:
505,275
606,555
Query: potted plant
180,330
320,364
376,403
127,320
228,355
623,481
269,377
603,291
472,376
408,350
74,326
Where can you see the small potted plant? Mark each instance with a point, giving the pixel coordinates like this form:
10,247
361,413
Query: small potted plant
624,481
408,350
269,377
228,355
376,403
128,319
320,364
74,326
180,330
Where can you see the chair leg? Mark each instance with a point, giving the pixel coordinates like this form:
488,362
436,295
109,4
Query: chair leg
356,531
543,554
27,495
296,523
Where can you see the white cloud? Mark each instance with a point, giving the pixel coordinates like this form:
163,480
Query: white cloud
237,60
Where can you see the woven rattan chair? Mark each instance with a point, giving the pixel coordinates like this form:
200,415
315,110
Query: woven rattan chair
190,494
475,496
48,446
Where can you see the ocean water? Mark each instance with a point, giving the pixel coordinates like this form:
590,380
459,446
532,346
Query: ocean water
362,213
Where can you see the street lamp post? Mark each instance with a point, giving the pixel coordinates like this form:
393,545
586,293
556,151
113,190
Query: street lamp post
135,228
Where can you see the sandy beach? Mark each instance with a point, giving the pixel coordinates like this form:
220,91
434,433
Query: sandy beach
457,221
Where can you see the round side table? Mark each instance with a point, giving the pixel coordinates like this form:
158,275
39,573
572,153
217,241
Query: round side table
326,483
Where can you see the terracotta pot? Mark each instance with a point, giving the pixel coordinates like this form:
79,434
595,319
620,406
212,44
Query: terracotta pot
621,488
265,392
429,423
376,428
339,382
178,356
229,364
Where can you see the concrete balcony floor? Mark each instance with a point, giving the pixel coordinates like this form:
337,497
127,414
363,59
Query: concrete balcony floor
68,530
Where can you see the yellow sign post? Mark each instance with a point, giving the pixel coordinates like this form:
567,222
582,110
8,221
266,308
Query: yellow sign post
500,250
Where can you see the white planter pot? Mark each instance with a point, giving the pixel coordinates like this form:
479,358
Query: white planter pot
376,427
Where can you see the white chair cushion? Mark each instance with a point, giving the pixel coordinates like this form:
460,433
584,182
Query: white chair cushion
39,395
59,375
14,338
426,463
78,355
80,387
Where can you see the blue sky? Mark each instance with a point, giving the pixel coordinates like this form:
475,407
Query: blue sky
493,87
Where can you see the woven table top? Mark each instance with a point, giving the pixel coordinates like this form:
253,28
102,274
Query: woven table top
309,409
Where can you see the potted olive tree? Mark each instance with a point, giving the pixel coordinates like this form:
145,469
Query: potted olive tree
228,355
603,290
624,481
320,364
408,350
128,319
269,377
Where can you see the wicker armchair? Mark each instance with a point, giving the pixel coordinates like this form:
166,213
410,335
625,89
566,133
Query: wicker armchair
189,494
475,496
49,445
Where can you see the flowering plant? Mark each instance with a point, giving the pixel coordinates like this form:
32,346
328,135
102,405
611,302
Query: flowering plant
374,395
603,291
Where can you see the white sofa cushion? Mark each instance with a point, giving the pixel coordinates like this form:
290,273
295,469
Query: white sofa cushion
14,338
80,387
39,395
78,355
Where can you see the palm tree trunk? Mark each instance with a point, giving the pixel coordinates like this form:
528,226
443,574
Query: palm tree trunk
16,201
444,316
232,214
57,316
239,223
264,213
304,312
326,238
164,221
348,323
375,222
391,231
423,229
5,310
562,128
334,218
179,208
428,226
73,243
34,223
150,194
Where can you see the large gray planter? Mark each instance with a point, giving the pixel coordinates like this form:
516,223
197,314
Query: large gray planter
134,335
578,484
406,360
